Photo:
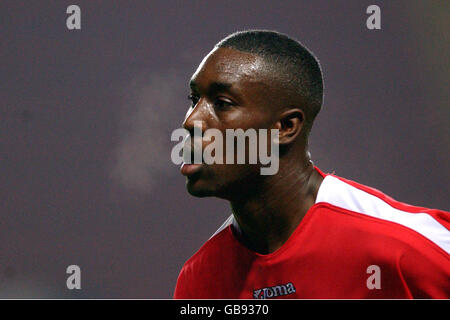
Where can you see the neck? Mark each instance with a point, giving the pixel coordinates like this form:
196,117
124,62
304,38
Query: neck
269,215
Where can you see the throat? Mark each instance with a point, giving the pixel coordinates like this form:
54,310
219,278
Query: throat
265,221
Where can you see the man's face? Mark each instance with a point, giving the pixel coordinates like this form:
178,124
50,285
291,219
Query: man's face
229,90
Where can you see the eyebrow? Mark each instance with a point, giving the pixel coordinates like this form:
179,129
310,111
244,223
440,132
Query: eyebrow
213,87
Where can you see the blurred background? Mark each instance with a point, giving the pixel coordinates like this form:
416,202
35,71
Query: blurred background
86,118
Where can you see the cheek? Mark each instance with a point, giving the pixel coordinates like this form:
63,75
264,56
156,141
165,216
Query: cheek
246,118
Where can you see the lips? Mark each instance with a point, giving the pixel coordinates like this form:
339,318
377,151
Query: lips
190,169
191,154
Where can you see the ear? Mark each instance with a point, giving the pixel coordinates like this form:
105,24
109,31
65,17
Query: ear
290,125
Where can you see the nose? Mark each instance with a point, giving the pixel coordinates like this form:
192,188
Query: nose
194,117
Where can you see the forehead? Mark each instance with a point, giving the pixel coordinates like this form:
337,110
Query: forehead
225,65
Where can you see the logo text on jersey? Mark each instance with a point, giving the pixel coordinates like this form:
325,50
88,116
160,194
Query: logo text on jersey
275,291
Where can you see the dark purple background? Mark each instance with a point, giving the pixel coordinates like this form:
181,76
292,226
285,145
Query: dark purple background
86,117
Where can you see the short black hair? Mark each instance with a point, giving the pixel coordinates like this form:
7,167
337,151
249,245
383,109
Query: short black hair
300,68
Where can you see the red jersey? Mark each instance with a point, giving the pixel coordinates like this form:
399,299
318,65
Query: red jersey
353,243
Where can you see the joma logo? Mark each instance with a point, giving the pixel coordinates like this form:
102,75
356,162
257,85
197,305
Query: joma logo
275,291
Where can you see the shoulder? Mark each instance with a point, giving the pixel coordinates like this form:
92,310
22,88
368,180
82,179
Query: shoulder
429,226
213,246
412,242
209,257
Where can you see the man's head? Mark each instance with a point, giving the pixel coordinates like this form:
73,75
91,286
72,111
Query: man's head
253,79
292,66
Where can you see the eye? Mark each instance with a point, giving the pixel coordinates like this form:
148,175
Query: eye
222,103
194,99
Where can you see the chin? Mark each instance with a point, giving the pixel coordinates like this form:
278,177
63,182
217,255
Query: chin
219,183
202,188
200,193
197,189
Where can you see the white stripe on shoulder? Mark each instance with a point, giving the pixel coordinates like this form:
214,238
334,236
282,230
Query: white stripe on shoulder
346,196
224,225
